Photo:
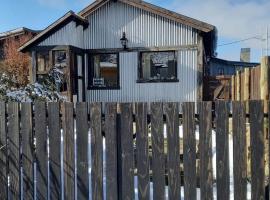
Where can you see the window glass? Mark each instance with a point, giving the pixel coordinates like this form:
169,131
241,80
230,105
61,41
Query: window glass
158,66
60,58
43,61
104,70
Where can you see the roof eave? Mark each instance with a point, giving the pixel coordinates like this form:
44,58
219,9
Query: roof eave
54,27
196,24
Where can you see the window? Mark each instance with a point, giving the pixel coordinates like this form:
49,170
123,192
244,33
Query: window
158,67
43,61
220,71
104,71
1,50
60,58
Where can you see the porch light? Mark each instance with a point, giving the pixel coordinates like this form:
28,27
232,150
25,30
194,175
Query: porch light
124,41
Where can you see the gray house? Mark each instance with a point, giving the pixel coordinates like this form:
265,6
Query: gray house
125,51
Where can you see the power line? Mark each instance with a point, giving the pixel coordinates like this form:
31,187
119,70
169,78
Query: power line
239,41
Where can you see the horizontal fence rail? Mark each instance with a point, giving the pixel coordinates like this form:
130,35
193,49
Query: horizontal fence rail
134,150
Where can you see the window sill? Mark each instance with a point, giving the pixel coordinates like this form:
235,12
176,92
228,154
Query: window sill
103,88
159,81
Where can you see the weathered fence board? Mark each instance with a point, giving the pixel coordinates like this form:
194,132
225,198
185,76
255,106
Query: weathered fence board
158,157
142,151
189,149
173,159
54,127
82,127
27,151
257,149
13,150
127,152
239,151
222,151
41,150
3,152
97,151
69,153
111,151
205,149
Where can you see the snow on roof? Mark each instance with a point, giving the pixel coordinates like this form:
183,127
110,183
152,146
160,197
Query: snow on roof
16,31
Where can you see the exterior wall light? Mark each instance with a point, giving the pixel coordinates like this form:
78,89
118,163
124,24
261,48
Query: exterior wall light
124,41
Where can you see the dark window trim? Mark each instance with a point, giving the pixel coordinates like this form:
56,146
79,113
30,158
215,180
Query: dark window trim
90,68
158,81
103,88
139,75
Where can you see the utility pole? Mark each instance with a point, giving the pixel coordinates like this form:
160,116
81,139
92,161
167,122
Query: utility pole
267,40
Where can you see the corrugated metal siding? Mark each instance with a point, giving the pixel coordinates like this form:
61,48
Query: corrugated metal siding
68,35
143,29
184,90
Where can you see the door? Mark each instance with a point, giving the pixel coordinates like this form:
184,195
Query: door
78,93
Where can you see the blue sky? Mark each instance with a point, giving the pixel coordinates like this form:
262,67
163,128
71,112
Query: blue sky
233,18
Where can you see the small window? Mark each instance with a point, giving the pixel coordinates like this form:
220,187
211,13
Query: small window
60,59
43,61
104,71
158,67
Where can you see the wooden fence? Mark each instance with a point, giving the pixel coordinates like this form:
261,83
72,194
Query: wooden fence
28,133
253,83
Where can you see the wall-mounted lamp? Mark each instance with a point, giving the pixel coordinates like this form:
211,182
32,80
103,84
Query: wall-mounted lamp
124,41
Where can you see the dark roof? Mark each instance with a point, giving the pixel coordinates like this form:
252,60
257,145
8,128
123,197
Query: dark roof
196,24
17,31
234,63
69,16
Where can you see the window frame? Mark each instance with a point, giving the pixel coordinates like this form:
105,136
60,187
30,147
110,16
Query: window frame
45,71
90,72
140,79
53,56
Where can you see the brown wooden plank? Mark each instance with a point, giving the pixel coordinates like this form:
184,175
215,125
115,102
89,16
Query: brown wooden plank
257,149
189,150
127,164
239,151
222,151
13,150
171,111
27,150
268,138
55,150
3,152
142,151
82,150
158,157
69,153
97,151
41,150
205,149
111,151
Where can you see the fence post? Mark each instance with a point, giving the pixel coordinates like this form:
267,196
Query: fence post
246,84
233,87
264,82
237,86
3,152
